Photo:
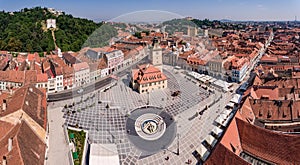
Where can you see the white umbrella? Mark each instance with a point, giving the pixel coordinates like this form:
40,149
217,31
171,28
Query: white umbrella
220,119
226,112
211,140
203,152
218,131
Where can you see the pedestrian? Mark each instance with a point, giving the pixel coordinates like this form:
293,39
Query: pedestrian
167,158
189,161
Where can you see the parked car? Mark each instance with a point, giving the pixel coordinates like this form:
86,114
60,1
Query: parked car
80,91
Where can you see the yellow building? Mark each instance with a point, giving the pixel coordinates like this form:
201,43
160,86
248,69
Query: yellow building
148,78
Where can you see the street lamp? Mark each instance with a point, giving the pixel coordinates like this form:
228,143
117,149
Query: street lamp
81,88
177,143
148,98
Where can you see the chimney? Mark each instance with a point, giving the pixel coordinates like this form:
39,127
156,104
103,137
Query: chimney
4,105
4,161
9,147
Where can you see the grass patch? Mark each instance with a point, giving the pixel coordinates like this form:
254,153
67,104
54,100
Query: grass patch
78,140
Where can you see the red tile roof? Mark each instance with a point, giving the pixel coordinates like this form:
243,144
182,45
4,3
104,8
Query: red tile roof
30,77
80,66
263,92
42,77
32,101
5,127
269,58
27,148
221,155
148,73
269,145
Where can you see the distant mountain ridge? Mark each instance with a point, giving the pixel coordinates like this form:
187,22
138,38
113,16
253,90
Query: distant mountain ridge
226,20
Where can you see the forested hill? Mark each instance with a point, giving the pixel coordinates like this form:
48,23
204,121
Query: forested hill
25,31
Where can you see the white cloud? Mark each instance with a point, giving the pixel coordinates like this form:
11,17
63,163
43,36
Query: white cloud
261,7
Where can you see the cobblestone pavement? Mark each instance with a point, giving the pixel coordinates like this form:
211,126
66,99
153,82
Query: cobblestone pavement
104,115
57,155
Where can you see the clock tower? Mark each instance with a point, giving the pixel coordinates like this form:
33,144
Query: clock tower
156,54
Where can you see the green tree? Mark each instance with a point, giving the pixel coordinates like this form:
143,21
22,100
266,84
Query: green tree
14,44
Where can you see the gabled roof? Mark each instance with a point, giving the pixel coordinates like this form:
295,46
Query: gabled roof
268,145
32,101
70,59
221,155
27,148
42,77
80,66
147,73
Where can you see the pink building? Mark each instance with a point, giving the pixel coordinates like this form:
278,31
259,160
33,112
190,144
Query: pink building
114,60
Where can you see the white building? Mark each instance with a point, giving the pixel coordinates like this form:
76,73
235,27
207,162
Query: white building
59,82
11,78
51,23
42,81
82,74
170,58
104,154
95,72
55,80
104,72
51,85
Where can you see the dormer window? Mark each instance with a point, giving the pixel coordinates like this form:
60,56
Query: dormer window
269,115
259,113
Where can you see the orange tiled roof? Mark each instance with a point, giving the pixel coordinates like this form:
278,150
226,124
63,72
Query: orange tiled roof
27,148
222,155
268,58
30,77
79,66
32,101
147,73
42,77
271,92
268,145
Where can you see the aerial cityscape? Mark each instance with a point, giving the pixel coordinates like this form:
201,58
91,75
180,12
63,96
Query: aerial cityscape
149,82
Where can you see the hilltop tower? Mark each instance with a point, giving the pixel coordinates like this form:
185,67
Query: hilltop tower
51,23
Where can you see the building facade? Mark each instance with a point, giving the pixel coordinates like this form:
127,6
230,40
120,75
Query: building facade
148,78
82,74
156,55
114,60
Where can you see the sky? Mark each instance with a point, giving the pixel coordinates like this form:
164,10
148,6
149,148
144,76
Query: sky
239,10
